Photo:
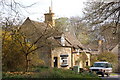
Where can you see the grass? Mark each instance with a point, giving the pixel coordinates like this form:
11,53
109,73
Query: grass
45,72
113,74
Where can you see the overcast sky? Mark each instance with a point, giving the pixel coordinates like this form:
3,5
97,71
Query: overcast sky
61,8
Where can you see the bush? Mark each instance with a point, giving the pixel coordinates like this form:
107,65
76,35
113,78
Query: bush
109,57
46,72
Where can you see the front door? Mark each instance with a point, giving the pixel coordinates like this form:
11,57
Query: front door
55,61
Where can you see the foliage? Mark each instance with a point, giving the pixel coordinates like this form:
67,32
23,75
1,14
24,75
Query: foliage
106,56
75,26
62,24
35,60
45,72
14,43
80,29
14,57
109,57
82,58
93,59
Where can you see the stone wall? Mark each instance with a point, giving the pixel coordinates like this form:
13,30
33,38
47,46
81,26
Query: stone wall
45,55
56,52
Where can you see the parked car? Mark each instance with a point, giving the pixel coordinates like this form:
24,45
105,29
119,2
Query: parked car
102,68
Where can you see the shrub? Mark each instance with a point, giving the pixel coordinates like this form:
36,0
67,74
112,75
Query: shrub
46,72
109,57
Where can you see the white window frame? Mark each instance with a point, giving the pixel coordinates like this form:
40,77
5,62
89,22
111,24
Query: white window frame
64,61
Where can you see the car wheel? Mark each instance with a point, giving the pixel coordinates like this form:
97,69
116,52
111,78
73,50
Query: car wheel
102,74
108,74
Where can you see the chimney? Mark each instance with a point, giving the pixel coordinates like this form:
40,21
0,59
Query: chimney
49,17
100,46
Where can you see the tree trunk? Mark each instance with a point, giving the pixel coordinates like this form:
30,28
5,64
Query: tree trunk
27,63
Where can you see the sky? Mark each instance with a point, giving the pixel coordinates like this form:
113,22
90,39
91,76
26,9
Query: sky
61,8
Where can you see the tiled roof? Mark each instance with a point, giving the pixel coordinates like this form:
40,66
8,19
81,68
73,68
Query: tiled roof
39,26
30,26
73,40
70,40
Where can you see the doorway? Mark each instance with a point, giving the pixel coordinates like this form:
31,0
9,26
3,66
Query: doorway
55,61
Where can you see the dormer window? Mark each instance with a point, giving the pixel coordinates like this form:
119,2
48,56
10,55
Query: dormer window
62,40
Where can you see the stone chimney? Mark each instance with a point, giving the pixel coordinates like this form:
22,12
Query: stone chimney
100,46
49,18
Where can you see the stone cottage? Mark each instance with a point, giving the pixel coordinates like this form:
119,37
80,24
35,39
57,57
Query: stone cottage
63,49
67,54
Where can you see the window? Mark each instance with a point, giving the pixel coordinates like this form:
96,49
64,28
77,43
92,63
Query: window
64,60
108,65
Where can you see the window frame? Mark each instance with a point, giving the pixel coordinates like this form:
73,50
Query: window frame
64,60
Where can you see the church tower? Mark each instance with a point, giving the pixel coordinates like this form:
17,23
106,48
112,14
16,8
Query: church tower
49,17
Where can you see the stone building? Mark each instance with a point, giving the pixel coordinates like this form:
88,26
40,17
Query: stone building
62,51
116,51
68,53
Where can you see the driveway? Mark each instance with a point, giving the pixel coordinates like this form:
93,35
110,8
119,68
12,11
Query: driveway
113,76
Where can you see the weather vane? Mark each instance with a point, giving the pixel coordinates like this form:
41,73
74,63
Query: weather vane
51,3
50,8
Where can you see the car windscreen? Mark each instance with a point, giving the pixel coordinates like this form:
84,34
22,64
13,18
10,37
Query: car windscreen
106,65
99,65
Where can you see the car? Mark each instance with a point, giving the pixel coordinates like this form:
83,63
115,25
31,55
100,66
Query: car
101,68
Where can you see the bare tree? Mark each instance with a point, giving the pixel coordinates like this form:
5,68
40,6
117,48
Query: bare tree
37,38
102,17
99,13
12,11
28,41
10,19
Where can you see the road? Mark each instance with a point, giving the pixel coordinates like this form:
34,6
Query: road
113,76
